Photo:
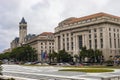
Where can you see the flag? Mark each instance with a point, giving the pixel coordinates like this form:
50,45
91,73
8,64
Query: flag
43,55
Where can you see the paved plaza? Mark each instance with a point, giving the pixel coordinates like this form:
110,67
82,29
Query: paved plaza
52,73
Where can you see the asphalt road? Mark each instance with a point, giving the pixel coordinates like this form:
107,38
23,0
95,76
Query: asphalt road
39,73
52,73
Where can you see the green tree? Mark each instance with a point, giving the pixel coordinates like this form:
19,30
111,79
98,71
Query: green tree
83,54
90,54
52,57
23,53
30,53
76,57
63,56
5,56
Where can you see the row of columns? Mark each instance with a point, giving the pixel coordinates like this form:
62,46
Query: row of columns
75,41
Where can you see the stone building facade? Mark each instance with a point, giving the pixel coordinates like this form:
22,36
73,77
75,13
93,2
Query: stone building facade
98,31
43,43
14,43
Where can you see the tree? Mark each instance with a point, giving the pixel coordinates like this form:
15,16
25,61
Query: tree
63,56
76,57
52,56
83,54
23,53
90,54
98,55
30,53
5,56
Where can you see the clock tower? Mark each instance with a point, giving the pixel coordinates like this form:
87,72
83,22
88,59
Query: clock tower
22,31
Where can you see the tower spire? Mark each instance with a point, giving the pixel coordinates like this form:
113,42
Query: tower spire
23,21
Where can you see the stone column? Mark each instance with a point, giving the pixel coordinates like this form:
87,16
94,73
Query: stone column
70,43
107,43
98,39
65,42
112,39
61,42
56,44
39,50
87,40
74,44
92,40
116,41
77,44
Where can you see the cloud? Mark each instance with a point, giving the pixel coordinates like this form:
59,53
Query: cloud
100,3
44,15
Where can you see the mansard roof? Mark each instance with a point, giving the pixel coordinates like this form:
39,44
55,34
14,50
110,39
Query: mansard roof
23,21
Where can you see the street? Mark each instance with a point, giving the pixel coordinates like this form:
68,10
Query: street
51,73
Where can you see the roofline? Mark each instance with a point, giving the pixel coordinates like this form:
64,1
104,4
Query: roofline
92,16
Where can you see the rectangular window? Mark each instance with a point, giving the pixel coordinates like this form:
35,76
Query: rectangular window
90,45
63,35
109,29
59,42
63,39
89,31
95,43
117,35
117,30
101,35
114,30
80,42
90,36
71,39
114,35
72,45
67,39
94,30
67,46
101,41
109,34
115,43
50,51
41,46
67,34
95,35
110,43
118,43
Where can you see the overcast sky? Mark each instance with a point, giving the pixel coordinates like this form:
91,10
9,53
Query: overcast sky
44,15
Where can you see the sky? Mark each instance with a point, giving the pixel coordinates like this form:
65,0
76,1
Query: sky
44,15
